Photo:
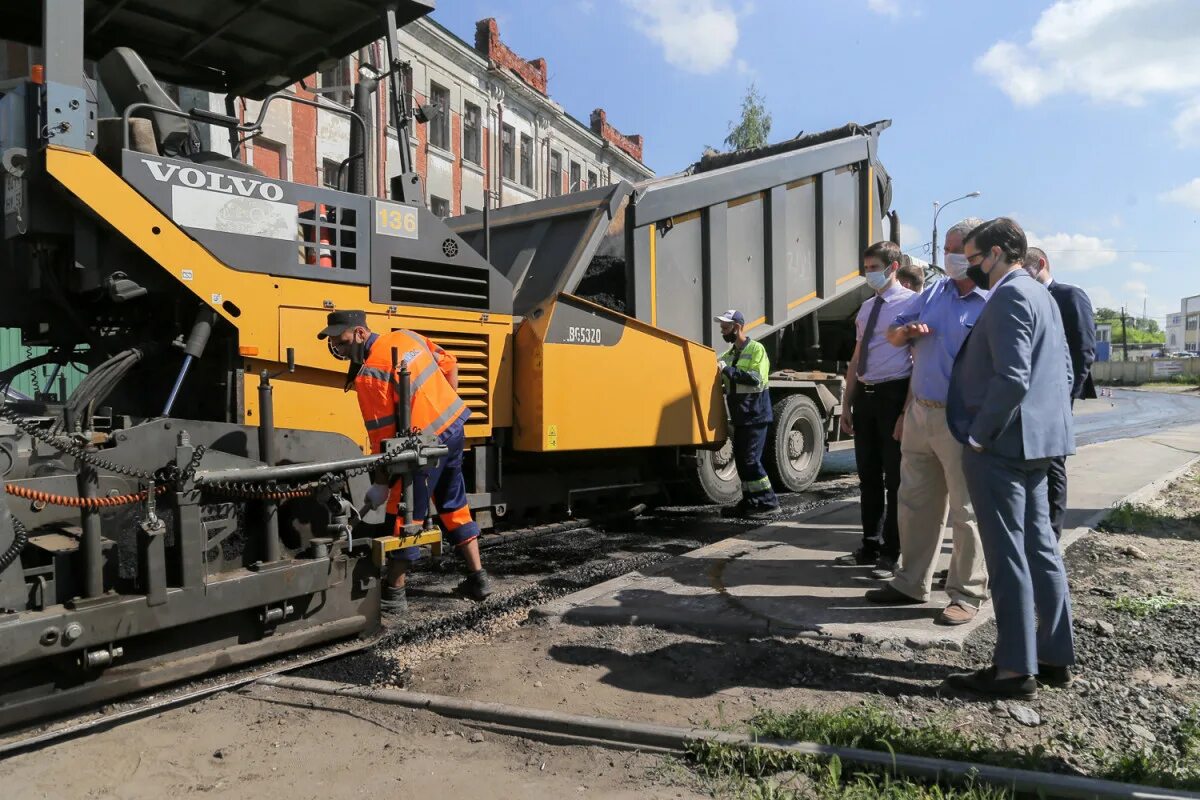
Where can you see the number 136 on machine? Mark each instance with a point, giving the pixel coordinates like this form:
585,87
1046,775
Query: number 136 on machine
395,220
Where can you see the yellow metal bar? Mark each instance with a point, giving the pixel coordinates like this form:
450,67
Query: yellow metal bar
382,545
847,277
653,276
804,299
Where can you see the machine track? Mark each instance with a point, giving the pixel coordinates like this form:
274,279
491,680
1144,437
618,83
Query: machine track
31,737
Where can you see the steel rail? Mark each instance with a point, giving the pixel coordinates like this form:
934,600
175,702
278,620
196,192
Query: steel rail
623,734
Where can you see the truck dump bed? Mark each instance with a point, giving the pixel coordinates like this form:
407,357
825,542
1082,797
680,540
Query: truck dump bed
775,232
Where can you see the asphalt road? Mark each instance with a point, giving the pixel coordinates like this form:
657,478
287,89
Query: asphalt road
1126,414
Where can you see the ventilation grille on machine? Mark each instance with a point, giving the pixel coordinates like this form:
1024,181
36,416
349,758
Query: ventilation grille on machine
471,350
444,285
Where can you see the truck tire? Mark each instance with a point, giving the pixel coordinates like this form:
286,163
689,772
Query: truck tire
795,444
715,478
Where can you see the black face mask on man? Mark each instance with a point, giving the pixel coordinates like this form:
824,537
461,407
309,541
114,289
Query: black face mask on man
353,351
977,274
730,337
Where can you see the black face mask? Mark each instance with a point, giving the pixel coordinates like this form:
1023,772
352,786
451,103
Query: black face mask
354,352
978,276
730,337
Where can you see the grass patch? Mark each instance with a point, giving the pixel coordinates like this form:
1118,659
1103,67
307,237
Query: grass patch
1132,517
1146,606
755,772
1172,766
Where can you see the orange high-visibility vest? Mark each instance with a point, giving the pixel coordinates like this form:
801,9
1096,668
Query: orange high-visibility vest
435,405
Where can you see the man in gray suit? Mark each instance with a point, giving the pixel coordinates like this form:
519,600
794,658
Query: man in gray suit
1010,406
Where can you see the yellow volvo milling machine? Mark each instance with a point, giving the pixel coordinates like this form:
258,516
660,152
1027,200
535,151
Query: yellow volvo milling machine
190,506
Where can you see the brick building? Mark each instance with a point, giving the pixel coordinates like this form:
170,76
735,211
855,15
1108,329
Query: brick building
499,129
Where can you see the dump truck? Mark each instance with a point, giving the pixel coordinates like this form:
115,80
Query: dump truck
191,505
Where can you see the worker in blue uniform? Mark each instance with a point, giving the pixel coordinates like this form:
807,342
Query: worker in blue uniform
744,369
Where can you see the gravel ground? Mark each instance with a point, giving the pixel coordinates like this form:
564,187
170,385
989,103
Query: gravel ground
1138,676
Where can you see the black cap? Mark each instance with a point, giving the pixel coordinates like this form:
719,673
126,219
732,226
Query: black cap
341,321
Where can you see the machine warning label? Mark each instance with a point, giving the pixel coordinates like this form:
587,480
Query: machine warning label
551,437
247,216
395,220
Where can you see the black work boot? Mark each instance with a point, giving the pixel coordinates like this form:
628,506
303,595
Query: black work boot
476,586
394,601
738,510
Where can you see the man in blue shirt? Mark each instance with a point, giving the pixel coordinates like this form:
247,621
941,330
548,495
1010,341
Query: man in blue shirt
935,324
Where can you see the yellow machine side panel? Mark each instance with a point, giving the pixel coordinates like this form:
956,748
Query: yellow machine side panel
312,398
590,379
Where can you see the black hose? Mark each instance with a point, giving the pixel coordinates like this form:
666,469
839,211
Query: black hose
20,539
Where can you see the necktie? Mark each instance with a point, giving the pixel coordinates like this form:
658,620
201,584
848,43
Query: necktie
867,334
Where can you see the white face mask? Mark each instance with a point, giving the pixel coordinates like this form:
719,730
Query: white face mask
956,266
878,280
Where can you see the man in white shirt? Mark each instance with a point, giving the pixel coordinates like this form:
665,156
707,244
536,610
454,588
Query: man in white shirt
876,387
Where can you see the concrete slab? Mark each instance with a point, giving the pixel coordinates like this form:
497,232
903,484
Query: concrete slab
780,579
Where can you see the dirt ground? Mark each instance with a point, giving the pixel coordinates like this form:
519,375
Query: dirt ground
273,743
1139,676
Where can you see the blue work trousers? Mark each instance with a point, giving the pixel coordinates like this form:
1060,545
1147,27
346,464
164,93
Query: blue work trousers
748,443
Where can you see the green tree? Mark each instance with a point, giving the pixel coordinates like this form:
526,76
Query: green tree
1106,314
755,125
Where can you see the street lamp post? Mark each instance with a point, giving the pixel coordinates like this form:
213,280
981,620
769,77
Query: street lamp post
937,209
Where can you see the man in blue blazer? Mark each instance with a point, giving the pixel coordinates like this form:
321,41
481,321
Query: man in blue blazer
1010,406
1080,327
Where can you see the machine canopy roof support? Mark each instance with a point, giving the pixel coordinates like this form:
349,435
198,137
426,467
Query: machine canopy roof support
248,48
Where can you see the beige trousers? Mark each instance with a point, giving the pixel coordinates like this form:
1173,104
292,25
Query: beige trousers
931,478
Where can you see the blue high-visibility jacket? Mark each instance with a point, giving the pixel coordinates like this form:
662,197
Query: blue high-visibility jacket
744,379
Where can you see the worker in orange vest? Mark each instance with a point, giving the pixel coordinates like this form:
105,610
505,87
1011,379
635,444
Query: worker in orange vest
436,409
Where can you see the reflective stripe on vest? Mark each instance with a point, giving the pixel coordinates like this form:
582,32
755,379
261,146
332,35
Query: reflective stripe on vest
434,403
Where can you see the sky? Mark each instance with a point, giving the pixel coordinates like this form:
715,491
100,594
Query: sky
1078,118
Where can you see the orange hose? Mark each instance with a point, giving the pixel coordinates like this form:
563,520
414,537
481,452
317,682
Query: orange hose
78,502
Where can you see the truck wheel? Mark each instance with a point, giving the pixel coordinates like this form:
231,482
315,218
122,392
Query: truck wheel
795,445
715,479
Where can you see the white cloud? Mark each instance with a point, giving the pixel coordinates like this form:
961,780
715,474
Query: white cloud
888,8
1139,266
1074,252
695,35
1136,288
1101,297
1186,195
1112,51
744,68
1187,124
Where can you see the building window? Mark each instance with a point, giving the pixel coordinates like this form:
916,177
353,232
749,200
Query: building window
439,206
508,159
593,181
576,173
526,160
555,174
329,173
439,126
472,137
337,84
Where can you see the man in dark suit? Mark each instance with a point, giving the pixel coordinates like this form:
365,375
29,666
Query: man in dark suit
1080,328
1010,406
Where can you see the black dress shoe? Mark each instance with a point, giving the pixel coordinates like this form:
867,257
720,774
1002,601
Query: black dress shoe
984,681
1052,675
886,595
859,558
